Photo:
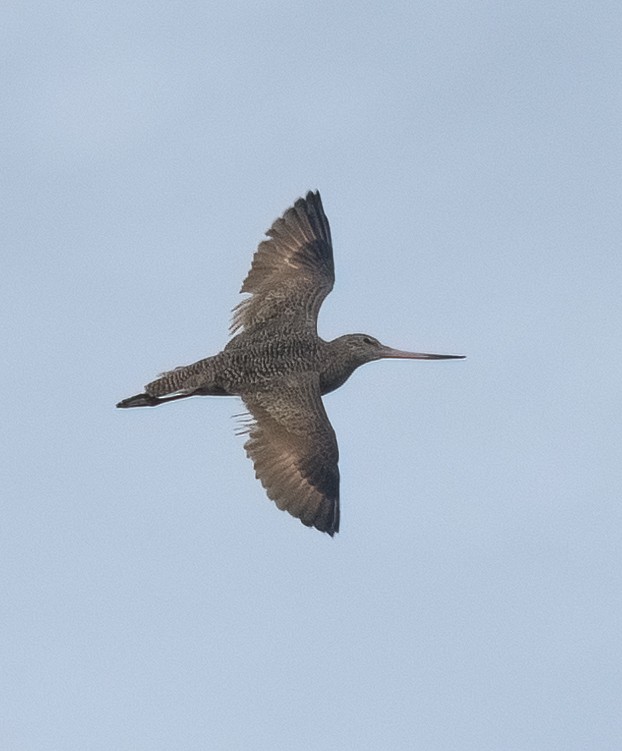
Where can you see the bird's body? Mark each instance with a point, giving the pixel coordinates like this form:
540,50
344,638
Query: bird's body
280,367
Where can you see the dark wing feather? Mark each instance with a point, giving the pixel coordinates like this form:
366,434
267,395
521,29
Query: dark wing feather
292,272
294,449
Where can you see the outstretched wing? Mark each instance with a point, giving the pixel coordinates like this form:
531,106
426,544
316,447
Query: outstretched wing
292,271
294,449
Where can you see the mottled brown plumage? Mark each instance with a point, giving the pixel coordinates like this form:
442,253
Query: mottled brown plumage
280,367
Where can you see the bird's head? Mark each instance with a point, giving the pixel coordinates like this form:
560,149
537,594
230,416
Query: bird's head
361,348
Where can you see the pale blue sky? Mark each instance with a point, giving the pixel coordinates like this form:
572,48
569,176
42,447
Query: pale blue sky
470,162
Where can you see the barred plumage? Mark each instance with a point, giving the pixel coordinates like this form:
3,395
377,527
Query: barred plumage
280,367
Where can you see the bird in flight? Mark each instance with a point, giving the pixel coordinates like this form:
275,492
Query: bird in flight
280,367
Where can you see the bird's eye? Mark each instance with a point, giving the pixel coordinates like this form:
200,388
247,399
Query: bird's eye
368,340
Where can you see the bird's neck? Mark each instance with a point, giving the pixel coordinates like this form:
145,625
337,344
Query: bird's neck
337,365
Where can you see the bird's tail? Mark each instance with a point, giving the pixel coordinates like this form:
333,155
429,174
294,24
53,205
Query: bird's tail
198,378
140,400
147,400
167,387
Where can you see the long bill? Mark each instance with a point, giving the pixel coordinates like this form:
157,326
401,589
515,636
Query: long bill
403,355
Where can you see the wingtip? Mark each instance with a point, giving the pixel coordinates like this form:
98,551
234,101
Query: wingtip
330,531
332,527
313,197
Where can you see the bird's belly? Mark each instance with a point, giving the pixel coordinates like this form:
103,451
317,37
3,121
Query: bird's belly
262,362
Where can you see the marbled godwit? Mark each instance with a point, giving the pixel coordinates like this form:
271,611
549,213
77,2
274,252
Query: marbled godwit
280,367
